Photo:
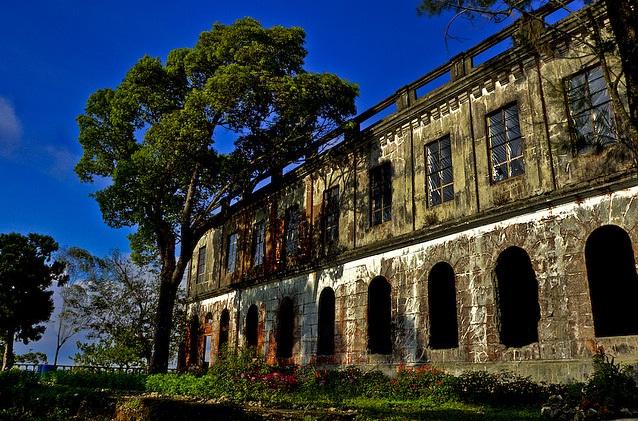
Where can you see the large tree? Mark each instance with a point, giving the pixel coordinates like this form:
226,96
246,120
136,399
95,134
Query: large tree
154,138
623,18
27,270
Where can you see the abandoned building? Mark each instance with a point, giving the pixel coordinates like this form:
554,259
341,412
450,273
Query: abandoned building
490,222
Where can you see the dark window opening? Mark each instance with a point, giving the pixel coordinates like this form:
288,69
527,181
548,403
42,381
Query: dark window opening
381,193
231,252
331,212
259,240
252,326
613,284
224,327
285,328
517,296
194,331
291,231
444,330
201,264
326,341
208,319
440,177
505,143
379,317
590,110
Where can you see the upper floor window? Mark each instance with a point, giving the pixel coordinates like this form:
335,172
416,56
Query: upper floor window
291,231
505,143
381,193
201,264
331,213
231,252
440,179
259,236
590,110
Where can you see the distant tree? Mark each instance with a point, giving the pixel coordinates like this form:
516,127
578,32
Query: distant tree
154,138
113,301
623,18
32,358
71,319
27,270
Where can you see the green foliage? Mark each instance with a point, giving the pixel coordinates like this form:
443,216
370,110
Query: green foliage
502,388
32,358
96,380
27,270
611,385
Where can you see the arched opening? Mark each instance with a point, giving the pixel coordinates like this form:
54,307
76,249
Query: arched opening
224,322
252,325
444,332
326,341
517,297
613,285
379,317
208,319
193,343
285,328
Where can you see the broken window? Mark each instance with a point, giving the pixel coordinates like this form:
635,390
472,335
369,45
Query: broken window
381,193
505,143
231,252
440,179
252,326
291,231
379,317
517,297
613,284
285,328
590,110
259,237
442,307
201,264
224,322
331,213
326,341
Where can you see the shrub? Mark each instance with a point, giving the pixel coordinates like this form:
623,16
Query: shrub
502,388
611,385
98,380
426,380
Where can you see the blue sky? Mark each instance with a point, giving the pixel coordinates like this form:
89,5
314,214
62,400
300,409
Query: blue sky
55,53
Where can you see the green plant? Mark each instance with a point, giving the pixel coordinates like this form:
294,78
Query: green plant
611,385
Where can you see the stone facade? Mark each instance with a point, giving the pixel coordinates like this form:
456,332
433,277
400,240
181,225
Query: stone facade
545,214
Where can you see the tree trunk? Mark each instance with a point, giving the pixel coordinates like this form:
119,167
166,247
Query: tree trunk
623,16
164,319
7,360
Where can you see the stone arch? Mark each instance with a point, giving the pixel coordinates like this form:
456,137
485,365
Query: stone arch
252,327
444,330
613,285
379,316
208,319
285,328
517,298
326,323
224,329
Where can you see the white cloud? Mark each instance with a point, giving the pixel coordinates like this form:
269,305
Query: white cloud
10,129
62,161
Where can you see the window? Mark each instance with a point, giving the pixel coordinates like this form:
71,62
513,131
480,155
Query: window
438,158
505,143
291,231
285,328
259,233
379,317
231,252
613,284
590,110
331,217
517,298
326,322
224,328
252,326
201,264
444,331
381,193
207,346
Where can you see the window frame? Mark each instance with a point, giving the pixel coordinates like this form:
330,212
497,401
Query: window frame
229,243
259,232
428,173
576,148
508,158
330,231
291,243
200,275
385,192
